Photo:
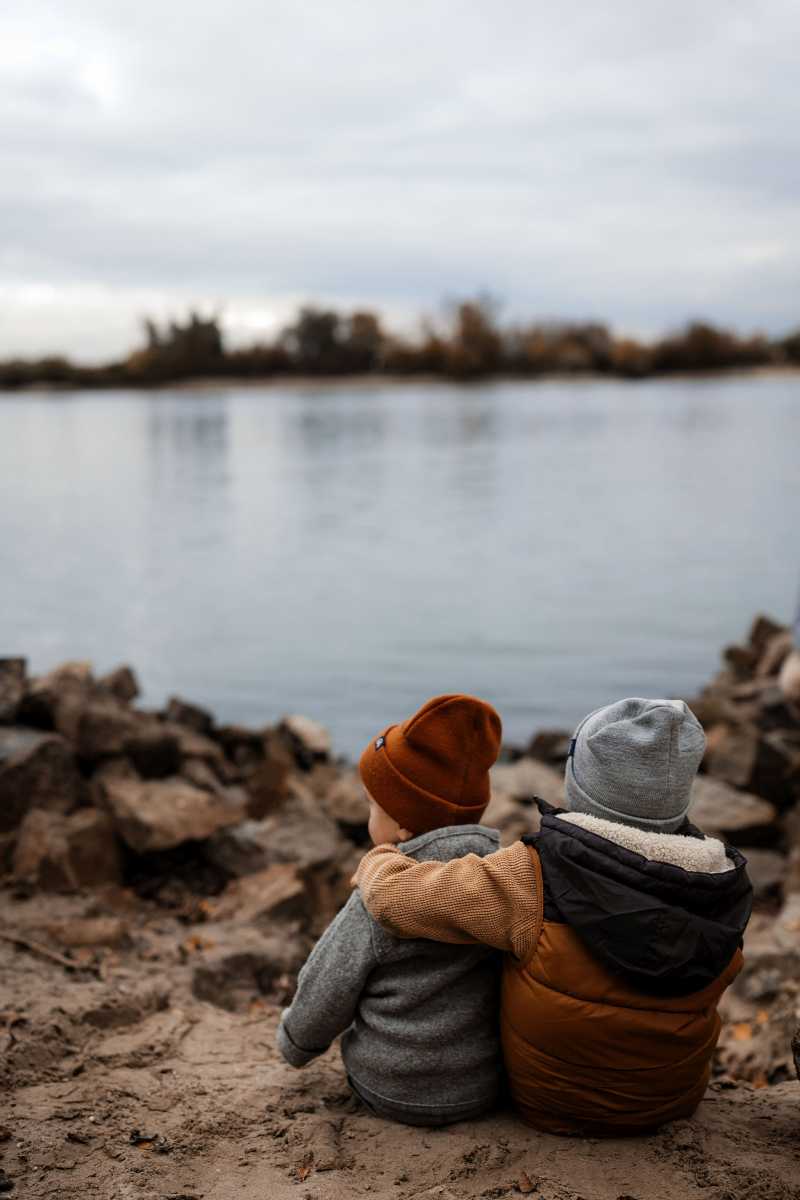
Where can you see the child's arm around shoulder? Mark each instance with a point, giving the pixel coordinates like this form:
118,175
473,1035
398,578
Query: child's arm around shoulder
496,900
329,986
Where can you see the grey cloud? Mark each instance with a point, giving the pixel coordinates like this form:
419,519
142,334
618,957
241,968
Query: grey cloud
633,162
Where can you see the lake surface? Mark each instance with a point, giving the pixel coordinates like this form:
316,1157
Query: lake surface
348,551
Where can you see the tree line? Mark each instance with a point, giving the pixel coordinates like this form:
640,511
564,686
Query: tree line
469,344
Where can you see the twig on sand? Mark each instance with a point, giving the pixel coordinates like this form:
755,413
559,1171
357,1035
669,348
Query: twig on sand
45,952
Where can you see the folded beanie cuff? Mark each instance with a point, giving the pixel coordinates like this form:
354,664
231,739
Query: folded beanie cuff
414,808
580,801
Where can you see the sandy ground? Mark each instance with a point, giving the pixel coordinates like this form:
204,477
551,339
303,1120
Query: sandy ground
96,1059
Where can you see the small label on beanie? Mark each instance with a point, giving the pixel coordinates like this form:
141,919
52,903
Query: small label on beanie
379,742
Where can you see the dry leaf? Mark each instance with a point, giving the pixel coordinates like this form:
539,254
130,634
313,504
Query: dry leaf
302,1173
763,1016
525,1185
742,1032
194,944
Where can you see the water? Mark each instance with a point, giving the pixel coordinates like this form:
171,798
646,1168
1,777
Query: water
348,551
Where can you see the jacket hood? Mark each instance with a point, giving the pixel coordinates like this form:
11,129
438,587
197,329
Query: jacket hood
666,929
452,841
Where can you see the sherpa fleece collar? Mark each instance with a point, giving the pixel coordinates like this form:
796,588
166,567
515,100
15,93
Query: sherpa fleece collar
691,853
668,930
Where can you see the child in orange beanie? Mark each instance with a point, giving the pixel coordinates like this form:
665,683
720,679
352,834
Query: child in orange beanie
421,1041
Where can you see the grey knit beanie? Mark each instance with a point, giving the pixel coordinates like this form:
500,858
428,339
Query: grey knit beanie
635,762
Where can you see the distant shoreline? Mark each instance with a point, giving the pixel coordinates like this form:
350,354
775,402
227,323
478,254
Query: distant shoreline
367,380
322,345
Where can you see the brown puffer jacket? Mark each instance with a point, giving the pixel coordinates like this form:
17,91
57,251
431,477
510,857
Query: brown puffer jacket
610,1025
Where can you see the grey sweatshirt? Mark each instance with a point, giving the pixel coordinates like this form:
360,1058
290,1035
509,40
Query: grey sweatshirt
420,1018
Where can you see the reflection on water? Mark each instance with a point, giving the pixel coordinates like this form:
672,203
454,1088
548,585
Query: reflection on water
347,551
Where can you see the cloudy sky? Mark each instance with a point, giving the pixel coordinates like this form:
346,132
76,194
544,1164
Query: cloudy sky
634,161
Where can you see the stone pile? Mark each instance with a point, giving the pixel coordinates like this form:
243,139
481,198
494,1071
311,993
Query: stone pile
97,792
753,758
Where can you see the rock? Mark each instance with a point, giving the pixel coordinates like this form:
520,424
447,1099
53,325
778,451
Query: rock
158,814
762,1008
310,741
242,964
56,700
94,851
121,683
12,688
741,659
346,802
777,770
277,893
103,729
8,842
550,745
527,778
66,853
511,818
268,781
785,929
89,931
721,810
239,850
181,712
774,654
154,753
193,745
789,678
767,870
514,785
762,631
299,831
114,768
37,770
245,747
198,772
731,754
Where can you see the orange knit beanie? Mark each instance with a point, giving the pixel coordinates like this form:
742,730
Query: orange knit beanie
433,770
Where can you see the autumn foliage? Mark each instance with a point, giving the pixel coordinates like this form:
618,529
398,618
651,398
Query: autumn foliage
468,344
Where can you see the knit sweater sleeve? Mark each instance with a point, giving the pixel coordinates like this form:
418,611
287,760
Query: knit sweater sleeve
495,900
329,986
